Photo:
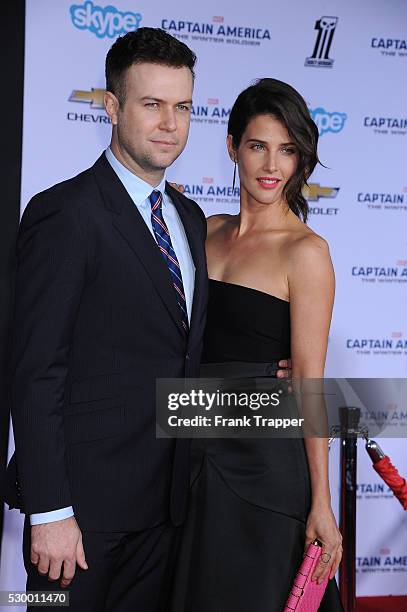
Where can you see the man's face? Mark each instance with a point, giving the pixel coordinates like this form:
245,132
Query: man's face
152,123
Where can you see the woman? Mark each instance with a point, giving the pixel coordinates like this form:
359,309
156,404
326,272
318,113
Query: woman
255,504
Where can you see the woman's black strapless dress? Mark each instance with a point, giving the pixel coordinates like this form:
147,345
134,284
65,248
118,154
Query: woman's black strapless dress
243,539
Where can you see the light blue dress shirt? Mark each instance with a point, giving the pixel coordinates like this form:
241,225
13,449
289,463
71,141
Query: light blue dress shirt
139,192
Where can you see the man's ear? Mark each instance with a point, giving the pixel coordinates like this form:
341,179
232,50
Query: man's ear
111,106
231,148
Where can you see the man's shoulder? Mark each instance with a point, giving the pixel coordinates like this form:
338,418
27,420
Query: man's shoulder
71,188
68,196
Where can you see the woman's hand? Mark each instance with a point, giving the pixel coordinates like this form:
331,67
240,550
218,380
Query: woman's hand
178,187
321,525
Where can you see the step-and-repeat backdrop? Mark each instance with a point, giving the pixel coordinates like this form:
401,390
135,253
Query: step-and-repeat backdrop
349,61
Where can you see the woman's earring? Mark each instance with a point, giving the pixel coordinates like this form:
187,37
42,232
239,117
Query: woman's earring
234,175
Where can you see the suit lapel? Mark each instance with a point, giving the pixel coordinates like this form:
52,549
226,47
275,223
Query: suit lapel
130,224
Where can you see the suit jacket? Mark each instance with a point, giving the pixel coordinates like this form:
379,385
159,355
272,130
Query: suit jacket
96,322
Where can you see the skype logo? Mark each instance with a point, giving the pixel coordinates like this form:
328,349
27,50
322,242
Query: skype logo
328,122
104,22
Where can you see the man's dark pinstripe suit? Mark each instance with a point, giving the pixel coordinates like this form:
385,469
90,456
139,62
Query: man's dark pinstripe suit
96,322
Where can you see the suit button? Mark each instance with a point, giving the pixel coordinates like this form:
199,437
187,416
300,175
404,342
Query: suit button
187,357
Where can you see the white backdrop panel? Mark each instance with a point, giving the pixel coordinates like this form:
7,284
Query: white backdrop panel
358,201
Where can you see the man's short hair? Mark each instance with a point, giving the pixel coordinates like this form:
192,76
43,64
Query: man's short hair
151,45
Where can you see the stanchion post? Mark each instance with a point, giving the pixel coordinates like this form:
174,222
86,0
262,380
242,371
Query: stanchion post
349,419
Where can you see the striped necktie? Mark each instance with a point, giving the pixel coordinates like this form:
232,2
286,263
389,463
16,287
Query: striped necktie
163,239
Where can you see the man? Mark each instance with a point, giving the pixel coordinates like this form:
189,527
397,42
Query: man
110,295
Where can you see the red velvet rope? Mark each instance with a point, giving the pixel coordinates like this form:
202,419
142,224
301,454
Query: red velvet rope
391,477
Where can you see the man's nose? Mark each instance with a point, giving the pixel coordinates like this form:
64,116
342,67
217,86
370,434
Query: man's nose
168,120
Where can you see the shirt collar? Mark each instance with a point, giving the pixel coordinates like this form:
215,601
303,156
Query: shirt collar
138,190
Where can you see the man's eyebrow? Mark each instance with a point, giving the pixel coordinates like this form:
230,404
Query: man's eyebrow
154,99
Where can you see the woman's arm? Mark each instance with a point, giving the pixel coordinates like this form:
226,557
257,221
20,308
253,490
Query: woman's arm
312,286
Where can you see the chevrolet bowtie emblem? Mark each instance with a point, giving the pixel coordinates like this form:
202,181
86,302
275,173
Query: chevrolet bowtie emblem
314,191
94,97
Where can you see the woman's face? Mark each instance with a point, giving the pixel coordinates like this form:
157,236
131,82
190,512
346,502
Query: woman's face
267,159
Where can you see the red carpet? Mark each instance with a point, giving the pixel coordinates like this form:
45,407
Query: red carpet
381,604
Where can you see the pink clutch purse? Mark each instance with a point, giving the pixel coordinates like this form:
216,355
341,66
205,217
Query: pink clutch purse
305,595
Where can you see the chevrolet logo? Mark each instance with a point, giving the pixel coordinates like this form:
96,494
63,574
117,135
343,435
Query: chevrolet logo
94,97
314,191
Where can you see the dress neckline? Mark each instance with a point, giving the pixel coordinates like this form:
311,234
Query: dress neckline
270,295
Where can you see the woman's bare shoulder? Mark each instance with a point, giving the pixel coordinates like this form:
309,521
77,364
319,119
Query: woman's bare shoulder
307,242
216,222
306,251
309,260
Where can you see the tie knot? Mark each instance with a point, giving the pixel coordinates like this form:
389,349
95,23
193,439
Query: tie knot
156,199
